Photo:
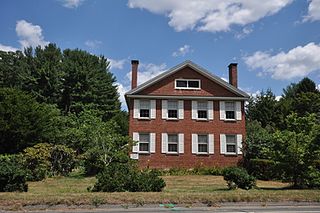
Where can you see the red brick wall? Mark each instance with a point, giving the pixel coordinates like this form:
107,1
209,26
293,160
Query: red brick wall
166,86
186,126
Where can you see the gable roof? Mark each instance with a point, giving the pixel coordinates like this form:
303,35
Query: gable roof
195,67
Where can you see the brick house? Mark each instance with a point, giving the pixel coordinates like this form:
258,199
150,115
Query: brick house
186,117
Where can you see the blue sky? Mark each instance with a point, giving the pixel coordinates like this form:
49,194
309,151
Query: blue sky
274,42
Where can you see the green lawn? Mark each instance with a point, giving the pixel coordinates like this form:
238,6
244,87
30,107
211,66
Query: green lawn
180,189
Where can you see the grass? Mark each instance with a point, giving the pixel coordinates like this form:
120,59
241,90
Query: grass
180,189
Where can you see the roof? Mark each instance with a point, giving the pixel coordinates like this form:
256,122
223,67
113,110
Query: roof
195,67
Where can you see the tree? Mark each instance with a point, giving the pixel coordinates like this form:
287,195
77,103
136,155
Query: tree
23,121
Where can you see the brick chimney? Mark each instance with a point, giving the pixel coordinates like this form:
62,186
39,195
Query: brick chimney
134,72
233,74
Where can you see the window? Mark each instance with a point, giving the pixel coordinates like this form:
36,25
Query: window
231,143
173,143
187,84
144,108
230,110
144,141
172,109
203,143
202,109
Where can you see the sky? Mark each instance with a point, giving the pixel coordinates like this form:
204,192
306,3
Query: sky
274,42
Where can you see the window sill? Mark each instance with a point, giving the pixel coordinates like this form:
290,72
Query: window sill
202,119
146,119
203,153
172,119
231,154
185,88
230,120
172,153
144,153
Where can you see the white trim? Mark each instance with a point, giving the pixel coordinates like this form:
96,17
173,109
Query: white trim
188,97
239,144
222,110
181,143
164,109
194,143
238,110
152,109
187,88
181,109
223,145
136,107
194,110
152,142
210,110
211,144
164,143
135,138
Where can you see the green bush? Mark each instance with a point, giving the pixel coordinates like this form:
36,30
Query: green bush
237,177
263,169
12,175
193,171
119,177
62,160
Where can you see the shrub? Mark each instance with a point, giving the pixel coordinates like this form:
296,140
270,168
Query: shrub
62,160
12,175
237,177
263,169
119,177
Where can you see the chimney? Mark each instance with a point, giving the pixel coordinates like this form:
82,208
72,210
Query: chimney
134,72
233,74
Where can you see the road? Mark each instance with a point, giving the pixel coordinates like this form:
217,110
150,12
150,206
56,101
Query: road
222,208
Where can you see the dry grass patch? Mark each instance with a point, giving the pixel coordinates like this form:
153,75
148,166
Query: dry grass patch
180,189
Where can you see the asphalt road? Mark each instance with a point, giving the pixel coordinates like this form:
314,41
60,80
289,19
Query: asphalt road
222,208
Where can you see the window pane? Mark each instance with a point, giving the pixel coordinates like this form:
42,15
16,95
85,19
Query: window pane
182,83
202,114
144,147
172,114
144,104
231,148
144,138
202,105
230,115
202,138
193,84
144,113
202,147
173,138
229,106
172,104
231,139
173,147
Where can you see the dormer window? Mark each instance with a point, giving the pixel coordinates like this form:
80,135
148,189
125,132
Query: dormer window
187,84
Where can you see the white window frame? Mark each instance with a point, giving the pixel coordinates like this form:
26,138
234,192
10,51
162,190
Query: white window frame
195,144
209,109
171,142
204,109
187,80
143,133
237,110
176,108
206,143
238,143
231,143
151,142
234,111
151,108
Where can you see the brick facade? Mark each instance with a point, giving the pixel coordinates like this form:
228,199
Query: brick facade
187,126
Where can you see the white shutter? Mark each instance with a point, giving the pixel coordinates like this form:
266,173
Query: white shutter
222,110
239,144
194,109
210,110
181,109
194,143
153,109
164,109
223,144
152,142
136,108
238,110
135,137
164,145
181,143
211,144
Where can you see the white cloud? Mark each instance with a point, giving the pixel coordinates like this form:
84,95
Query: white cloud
72,3
210,15
297,62
122,90
182,51
148,71
117,64
313,11
244,33
93,44
318,87
7,48
29,34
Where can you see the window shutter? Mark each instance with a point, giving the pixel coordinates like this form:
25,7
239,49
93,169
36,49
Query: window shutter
222,110
210,110
164,109
238,111
152,142
239,144
153,109
181,143
181,109
136,106
194,109
135,137
223,144
164,139
211,144
194,143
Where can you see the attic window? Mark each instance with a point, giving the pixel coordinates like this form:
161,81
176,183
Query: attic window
187,84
